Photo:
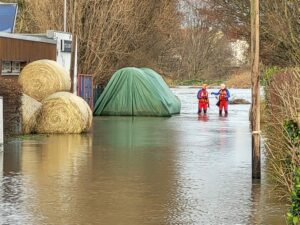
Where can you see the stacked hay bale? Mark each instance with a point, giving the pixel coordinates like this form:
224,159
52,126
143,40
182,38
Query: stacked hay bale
64,112
48,107
30,111
42,78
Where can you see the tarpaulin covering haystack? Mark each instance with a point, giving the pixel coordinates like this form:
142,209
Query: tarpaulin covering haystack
137,92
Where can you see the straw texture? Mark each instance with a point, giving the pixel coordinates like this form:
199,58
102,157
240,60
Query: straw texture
30,110
42,78
64,113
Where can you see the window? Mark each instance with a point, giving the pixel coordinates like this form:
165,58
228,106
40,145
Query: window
6,67
12,67
15,67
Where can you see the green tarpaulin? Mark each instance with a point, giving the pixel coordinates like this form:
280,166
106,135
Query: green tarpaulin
137,92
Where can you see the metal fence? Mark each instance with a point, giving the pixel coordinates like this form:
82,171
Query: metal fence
85,88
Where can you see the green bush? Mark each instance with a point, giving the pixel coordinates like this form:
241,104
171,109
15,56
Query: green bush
293,132
267,74
293,216
294,212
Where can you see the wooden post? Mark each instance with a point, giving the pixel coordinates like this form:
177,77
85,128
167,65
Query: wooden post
74,33
65,15
1,124
256,170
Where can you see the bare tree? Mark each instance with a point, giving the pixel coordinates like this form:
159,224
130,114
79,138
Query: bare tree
206,52
279,26
112,34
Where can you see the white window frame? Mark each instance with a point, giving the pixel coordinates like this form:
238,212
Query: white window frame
15,68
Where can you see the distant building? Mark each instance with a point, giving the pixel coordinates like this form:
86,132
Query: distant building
239,49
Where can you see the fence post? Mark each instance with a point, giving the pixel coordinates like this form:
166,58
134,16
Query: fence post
1,124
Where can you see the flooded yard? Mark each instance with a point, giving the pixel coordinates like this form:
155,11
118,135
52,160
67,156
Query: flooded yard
187,169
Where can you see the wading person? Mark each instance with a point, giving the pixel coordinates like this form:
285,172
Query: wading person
203,101
224,95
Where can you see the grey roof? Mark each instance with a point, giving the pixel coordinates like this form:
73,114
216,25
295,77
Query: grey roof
28,37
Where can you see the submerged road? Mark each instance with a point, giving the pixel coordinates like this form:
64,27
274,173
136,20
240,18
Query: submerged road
185,170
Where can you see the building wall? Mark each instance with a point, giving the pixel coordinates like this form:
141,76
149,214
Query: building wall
64,57
12,49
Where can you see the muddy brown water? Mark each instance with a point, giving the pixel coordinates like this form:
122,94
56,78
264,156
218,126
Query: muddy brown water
185,170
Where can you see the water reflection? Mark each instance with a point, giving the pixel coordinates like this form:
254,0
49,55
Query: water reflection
1,162
38,176
132,132
12,155
203,118
180,170
264,192
135,159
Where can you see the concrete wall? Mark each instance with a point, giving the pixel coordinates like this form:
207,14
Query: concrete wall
63,58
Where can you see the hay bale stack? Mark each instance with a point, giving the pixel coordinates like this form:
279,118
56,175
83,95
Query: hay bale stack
42,78
30,110
64,113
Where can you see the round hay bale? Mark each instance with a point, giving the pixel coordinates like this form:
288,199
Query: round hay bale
30,110
42,78
64,113
90,116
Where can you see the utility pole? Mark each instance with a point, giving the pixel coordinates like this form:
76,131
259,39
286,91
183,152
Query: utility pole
65,15
255,78
74,36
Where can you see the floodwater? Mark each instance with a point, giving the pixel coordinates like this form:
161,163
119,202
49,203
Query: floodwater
184,170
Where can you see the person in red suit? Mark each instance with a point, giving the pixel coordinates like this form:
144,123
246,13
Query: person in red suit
203,101
224,96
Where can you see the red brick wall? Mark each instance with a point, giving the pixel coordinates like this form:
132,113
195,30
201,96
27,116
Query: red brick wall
11,92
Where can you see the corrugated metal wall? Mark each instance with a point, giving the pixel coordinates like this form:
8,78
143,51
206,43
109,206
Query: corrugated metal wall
12,49
85,88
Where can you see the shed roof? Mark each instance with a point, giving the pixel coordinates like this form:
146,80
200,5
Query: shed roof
28,37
